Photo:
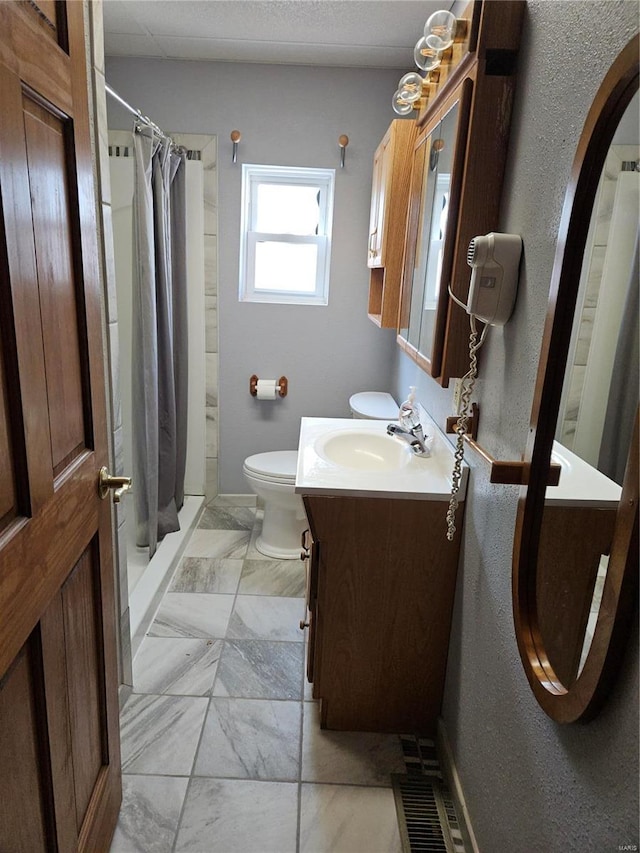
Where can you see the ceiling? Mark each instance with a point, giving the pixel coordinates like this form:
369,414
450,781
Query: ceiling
364,33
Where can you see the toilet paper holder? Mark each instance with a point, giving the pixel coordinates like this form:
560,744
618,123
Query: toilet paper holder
282,386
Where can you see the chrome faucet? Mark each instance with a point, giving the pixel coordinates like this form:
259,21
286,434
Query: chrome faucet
410,428
414,436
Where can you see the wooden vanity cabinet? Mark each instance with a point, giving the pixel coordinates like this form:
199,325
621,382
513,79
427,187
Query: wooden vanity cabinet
389,201
381,584
573,540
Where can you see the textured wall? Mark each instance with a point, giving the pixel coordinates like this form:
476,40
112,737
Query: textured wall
530,784
287,116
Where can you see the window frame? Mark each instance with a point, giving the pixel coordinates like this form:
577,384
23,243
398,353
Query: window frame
254,175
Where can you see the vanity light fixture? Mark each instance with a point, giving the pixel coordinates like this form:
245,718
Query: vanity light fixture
401,105
408,93
426,57
440,31
410,86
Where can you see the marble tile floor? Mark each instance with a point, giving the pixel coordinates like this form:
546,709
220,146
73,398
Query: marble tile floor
221,744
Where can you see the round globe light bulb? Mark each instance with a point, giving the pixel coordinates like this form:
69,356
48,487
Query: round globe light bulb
410,87
440,30
426,57
400,105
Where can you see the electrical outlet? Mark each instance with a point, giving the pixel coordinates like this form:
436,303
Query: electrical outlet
457,395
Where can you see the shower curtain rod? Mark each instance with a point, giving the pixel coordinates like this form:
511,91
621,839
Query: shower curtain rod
134,112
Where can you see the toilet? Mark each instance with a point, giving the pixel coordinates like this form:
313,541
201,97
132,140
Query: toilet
272,476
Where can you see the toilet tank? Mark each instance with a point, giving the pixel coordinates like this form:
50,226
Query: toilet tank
374,406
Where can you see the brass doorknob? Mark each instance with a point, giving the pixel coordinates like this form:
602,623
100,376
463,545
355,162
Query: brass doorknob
106,482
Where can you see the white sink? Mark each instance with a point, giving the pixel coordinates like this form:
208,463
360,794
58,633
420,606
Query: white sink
344,456
364,451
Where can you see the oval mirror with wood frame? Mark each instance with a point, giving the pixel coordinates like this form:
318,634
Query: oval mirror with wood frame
576,545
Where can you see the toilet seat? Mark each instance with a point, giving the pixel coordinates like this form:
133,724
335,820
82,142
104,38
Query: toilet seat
276,466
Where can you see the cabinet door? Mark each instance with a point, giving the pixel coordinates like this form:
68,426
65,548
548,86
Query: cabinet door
382,612
378,200
389,200
311,553
434,201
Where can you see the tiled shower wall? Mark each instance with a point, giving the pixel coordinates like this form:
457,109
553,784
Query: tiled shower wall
206,146
602,217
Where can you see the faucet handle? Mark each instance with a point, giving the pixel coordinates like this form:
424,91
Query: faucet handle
409,416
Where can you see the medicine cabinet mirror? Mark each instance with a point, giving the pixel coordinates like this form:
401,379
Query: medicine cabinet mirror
456,184
429,250
576,544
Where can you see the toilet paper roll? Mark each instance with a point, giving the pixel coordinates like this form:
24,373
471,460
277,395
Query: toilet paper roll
267,389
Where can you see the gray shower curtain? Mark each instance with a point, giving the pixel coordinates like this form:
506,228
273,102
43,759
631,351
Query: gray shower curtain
159,346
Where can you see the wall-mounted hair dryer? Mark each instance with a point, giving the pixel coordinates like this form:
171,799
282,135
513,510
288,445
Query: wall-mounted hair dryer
494,259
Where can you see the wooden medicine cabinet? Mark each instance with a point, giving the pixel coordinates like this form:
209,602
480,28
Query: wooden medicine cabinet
389,196
438,157
457,172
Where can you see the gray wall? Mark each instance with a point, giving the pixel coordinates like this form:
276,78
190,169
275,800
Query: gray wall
531,785
287,116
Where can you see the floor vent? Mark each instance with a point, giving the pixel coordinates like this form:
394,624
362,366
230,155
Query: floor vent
426,812
422,814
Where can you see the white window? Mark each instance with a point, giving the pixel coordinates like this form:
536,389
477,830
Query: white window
285,244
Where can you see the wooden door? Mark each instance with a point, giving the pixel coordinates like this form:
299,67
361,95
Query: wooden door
59,748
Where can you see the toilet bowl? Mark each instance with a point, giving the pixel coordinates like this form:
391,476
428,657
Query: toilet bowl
272,476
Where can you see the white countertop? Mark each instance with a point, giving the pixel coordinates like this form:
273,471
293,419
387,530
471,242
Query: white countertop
580,483
419,478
